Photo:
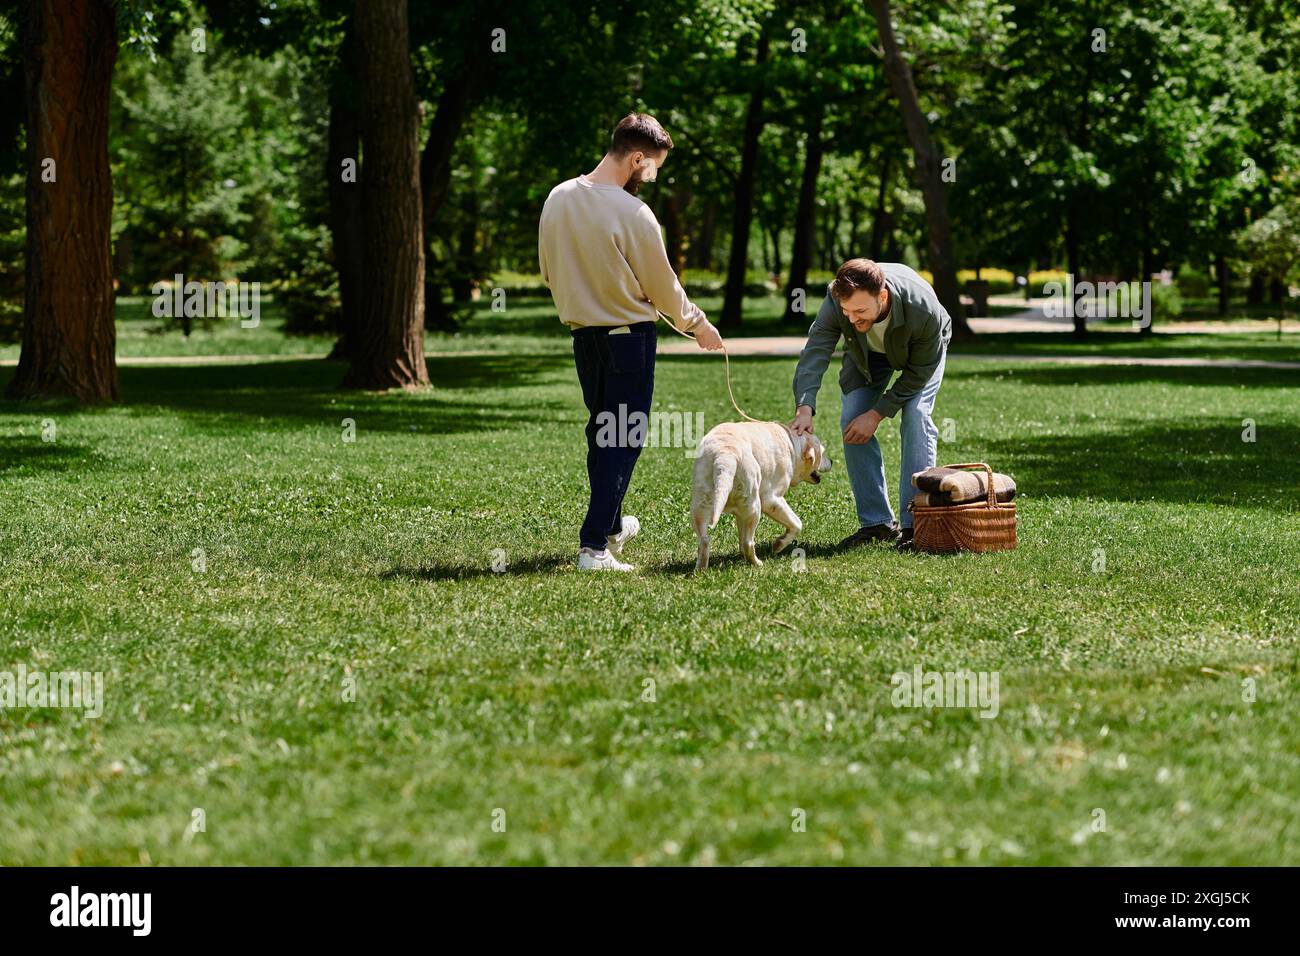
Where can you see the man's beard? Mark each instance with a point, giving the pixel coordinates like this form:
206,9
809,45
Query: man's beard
633,184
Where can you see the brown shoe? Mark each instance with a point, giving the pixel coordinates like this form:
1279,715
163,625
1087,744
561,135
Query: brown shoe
875,533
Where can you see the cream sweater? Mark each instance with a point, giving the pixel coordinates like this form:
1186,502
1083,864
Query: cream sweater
603,259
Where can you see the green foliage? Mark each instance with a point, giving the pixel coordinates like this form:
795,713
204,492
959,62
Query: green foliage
309,293
1177,144
1166,301
1156,144
183,151
219,173
1193,281
1270,245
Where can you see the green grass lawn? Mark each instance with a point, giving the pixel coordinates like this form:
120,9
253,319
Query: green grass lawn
1121,690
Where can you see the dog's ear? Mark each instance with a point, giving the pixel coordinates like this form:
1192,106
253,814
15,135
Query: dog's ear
810,451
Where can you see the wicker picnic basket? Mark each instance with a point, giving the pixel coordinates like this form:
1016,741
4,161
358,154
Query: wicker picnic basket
977,526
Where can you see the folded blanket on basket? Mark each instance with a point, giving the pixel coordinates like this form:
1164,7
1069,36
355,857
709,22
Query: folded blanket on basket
938,487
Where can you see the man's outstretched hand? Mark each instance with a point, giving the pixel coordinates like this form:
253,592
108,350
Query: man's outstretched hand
803,417
708,337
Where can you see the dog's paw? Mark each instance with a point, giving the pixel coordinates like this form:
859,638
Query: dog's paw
781,543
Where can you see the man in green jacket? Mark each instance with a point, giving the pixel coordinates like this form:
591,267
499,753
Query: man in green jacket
890,320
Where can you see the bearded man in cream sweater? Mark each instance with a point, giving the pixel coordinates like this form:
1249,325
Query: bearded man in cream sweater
603,258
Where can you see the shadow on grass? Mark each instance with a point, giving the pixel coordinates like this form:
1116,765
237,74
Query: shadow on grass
1131,345
545,563
1209,464
1181,460
725,552
723,557
453,571
27,454
1186,459
1109,375
224,397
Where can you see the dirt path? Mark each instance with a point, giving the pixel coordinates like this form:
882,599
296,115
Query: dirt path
1031,318
789,346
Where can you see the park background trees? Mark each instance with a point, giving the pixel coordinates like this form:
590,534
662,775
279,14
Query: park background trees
213,140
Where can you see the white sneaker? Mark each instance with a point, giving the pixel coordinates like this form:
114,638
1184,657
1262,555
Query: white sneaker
589,560
616,541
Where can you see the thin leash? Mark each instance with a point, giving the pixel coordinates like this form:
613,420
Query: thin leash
730,394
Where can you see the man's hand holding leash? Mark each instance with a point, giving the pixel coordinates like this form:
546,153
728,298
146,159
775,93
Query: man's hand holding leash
707,335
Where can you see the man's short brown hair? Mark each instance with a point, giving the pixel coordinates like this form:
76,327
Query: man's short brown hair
857,274
639,131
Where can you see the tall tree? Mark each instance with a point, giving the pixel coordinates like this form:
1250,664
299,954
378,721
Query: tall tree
69,338
390,345
435,162
805,218
942,258
743,211
345,194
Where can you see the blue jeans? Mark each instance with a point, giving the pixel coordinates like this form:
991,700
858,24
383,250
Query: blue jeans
865,464
614,370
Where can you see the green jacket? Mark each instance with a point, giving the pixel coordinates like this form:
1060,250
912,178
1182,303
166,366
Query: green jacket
919,331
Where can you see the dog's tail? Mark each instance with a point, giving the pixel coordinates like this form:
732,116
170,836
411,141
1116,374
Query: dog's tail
724,475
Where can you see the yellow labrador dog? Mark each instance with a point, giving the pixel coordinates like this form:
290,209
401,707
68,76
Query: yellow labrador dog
745,469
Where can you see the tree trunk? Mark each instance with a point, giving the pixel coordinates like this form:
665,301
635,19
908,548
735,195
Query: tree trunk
186,243
943,261
856,209
882,223
831,244
437,314
743,215
703,250
435,170
1073,266
345,197
1255,291
1077,206
390,348
69,338
805,221
674,206
124,263
1221,274
462,279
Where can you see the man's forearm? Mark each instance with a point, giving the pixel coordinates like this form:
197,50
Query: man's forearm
690,320
813,362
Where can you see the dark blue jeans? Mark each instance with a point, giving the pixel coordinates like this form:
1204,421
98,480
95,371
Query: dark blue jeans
617,373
